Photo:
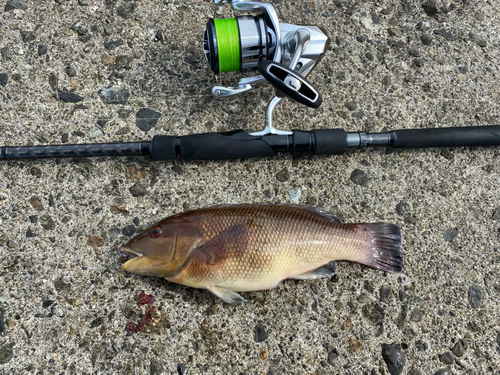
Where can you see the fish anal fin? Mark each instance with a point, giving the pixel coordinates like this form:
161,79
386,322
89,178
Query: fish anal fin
225,294
324,271
231,241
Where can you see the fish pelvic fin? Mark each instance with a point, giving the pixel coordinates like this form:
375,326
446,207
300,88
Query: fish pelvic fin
225,294
383,252
324,271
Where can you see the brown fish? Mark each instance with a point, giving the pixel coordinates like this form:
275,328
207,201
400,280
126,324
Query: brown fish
239,248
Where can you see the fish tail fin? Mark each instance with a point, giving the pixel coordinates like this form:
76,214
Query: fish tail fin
383,249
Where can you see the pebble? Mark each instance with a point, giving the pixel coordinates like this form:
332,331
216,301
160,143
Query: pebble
426,39
96,322
80,27
30,233
447,358
450,234
402,317
137,190
2,324
70,97
146,119
96,132
430,8
283,175
42,49
373,312
414,371
47,223
295,195
4,78
460,348
351,106
359,177
15,4
27,36
418,63
332,356
6,353
446,34
444,371
358,114
417,315
123,62
355,345
475,294
421,345
402,208
394,358
113,44
126,10
115,94
53,81
129,230
496,213
181,368
261,334
385,294
70,71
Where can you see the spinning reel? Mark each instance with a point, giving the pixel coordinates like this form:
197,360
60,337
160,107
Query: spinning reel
283,54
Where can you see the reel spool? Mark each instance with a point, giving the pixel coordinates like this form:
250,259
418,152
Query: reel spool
238,44
284,54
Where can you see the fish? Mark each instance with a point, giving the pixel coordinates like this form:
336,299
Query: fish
234,248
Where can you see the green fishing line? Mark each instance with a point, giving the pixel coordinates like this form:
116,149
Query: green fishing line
228,44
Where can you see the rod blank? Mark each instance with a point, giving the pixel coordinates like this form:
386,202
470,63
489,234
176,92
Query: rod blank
239,144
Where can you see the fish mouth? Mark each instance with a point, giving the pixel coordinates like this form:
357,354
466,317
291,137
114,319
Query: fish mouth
132,264
128,249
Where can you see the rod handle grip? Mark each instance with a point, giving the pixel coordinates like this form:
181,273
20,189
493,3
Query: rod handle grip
210,146
448,137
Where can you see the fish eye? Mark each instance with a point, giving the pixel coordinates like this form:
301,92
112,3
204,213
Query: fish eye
155,232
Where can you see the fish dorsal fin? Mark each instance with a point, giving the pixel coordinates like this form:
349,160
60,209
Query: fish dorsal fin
324,271
233,240
321,212
225,294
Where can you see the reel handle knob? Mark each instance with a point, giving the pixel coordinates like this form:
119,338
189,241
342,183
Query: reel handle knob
290,83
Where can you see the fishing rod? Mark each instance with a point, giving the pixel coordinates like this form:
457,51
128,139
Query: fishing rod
284,55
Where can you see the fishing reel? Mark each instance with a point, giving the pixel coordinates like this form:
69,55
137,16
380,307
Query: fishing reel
284,54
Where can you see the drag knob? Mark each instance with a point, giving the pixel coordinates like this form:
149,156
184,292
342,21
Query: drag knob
290,83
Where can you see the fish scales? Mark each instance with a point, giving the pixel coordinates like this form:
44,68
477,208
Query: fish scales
277,245
238,248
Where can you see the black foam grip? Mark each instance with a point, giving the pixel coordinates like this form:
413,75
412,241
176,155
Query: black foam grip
448,137
330,141
221,146
163,147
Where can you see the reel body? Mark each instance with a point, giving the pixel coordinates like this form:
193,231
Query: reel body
284,54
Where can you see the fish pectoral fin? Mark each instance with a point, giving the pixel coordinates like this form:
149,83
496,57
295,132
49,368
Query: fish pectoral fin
324,271
233,240
225,294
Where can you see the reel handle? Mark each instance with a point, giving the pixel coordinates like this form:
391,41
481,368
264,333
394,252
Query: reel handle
290,83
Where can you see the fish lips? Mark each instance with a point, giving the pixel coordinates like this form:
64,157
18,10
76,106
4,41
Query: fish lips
129,264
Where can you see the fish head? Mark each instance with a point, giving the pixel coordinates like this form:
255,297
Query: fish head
163,249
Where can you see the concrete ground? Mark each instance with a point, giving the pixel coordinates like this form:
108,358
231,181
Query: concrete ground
67,307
